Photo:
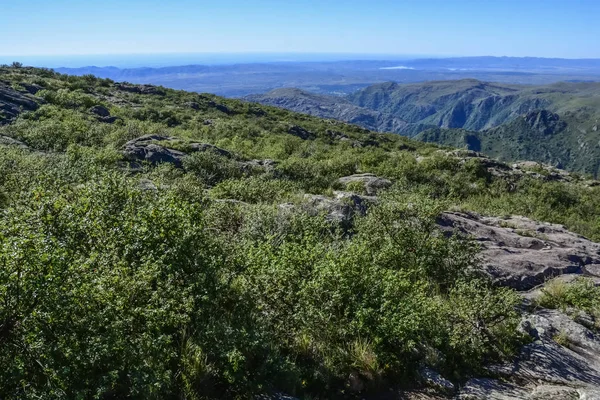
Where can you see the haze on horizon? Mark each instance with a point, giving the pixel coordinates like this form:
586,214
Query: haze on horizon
548,28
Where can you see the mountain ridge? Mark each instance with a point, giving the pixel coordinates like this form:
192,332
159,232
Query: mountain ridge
487,111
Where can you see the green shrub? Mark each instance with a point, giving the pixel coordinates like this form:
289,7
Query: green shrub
581,294
255,189
212,168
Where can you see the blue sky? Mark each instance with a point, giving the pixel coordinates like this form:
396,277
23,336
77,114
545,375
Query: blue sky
548,28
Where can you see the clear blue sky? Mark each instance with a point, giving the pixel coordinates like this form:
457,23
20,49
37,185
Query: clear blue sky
546,28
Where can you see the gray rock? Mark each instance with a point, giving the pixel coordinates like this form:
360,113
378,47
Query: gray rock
8,141
372,183
144,149
434,380
300,132
13,102
546,369
578,363
484,389
220,107
359,203
154,149
147,184
516,170
335,135
31,88
335,210
522,253
550,392
100,111
266,165
155,154
193,105
340,209
491,389
141,89
108,120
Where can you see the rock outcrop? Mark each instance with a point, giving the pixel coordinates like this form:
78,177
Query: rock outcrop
340,209
300,132
147,148
563,359
102,114
545,369
544,121
371,183
8,141
157,149
522,253
141,89
13,102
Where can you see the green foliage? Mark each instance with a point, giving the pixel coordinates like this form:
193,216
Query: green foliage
581,294
254,189
212,168
193,282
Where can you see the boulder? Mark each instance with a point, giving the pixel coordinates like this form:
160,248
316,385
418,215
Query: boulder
300,132
108,120
220,107
341,209
144,149
517,170
522,253
100,111
335,135
551,392
154,149
372,183
147,185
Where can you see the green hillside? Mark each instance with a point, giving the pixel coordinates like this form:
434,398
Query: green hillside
161,244
569,141
494,114
475,105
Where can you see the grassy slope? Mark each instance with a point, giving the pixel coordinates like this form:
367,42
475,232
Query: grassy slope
108,289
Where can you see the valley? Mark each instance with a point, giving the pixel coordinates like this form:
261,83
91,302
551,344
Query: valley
555,124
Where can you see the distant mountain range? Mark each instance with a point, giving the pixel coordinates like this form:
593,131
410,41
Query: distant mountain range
557,124
343,77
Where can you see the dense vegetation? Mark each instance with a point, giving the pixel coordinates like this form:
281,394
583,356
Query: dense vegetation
216,280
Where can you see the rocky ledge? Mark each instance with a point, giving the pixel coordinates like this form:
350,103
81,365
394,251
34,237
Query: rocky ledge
521,253
13,102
